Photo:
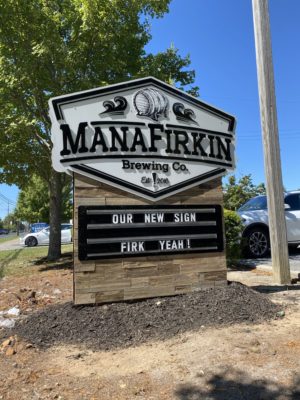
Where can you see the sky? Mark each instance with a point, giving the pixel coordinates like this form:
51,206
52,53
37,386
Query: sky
218,35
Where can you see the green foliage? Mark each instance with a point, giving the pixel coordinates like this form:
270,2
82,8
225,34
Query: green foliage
233,230
10,221
33,201
53,47
237,192
67,199
168,66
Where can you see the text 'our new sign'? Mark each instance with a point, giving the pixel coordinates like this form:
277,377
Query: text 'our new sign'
143,136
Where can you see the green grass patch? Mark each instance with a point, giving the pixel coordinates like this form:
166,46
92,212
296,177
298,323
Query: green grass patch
28,260
7,239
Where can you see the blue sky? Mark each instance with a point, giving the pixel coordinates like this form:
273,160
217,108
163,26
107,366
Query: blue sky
218,35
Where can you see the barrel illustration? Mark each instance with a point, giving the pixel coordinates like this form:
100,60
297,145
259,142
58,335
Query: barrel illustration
151,103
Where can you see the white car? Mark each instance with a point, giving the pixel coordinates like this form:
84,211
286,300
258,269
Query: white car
254,215
42,237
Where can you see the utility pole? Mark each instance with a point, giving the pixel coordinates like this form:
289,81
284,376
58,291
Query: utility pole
277,223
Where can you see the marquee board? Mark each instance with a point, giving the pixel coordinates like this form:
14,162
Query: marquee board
132,231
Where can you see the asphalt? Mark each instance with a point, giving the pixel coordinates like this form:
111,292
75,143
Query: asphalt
266,263
13,244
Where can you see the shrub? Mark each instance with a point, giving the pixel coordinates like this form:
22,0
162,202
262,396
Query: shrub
233,230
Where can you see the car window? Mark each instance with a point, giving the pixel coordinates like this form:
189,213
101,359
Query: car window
257,203
293,200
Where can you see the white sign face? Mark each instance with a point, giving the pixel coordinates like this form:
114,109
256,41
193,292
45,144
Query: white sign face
143,136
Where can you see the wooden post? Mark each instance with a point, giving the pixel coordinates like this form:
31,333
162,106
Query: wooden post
277,224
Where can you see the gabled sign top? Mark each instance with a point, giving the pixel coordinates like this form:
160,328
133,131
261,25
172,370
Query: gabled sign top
143,136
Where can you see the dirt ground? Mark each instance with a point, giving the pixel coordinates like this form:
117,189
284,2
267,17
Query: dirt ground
245,360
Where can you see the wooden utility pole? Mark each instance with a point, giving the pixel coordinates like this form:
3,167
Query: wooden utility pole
277,224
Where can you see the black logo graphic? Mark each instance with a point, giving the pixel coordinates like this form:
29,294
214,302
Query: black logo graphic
117,108
183,114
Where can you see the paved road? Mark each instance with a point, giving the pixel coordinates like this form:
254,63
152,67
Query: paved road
13,244
267,263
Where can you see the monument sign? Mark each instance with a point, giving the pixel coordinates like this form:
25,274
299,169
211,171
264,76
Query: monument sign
146,160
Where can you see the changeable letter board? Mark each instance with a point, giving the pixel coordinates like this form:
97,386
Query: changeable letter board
131,231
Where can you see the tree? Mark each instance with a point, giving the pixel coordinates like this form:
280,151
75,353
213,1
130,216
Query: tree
236,193
54,47
233,230
10,221
33,201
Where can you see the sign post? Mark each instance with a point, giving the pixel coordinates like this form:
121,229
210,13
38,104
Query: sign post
147,161
277,224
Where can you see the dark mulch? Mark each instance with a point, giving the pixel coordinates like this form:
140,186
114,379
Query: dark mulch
126,324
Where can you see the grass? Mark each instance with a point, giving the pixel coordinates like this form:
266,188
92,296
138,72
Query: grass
28,260
7,238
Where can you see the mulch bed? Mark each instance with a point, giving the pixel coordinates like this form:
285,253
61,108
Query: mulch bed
119,325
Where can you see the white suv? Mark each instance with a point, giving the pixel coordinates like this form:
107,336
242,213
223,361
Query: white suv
254,215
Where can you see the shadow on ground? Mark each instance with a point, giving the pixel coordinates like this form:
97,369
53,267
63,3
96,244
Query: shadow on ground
243,265
275,288
65,262
236,385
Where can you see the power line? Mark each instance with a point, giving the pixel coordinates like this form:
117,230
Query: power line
7,199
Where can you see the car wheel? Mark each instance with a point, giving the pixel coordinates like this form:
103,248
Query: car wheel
31,241
257,243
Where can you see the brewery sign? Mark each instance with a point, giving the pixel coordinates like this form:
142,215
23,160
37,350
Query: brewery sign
143,136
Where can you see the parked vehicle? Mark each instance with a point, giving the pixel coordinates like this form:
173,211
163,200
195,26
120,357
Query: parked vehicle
254,214
42,237
4,231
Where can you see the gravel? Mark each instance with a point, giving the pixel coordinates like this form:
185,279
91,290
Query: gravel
119,325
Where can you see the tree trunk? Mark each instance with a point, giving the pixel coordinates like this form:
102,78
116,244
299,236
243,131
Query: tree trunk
55,188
